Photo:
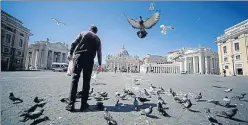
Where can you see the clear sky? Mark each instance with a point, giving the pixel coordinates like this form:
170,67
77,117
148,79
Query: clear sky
114,30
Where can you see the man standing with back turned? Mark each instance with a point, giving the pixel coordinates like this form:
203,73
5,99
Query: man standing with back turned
83,51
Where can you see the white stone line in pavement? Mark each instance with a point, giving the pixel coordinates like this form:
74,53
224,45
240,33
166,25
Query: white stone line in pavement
19,78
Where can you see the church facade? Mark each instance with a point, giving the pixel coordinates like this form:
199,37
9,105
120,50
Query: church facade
123,61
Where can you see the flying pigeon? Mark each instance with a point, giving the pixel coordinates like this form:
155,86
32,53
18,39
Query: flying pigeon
98,98
165,28
185,98
13,98
239,97
151,6
170,90
154,87
123,96
177,99
37,100
147,111
103,94
144,24
229,113
109,118
58,22
228,90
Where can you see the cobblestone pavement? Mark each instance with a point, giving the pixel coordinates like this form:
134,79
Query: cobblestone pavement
53,85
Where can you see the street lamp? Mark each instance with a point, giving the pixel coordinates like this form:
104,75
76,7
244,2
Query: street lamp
233,65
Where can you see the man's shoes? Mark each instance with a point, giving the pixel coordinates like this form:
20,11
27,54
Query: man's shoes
84,106
70,107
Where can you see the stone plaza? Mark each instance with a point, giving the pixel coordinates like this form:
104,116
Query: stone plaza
54,85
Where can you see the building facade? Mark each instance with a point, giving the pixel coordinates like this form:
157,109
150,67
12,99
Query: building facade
42,54
14,43
190,60
233,49
123,61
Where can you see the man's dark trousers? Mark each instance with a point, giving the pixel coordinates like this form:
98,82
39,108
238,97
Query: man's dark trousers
84,63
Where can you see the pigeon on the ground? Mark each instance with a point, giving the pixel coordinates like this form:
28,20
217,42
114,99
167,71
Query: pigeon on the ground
37,100
65,100
228,90
161,100
177,99
198,97
170,91
187,104
226,101
130,93
185,98
211,118
136,104
109,118
174,94
228,114
239,97
154,87
161,109
117,94
98,98
147,94
142,100
147,111
103,94
125,90
144,24
117,100
58,22
91,92
123,96
13,98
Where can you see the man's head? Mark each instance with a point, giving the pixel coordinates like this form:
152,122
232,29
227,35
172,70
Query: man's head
93,28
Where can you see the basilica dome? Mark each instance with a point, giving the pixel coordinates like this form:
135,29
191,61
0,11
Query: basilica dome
123,52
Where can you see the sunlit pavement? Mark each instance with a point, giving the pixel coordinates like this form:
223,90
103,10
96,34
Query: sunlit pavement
53,85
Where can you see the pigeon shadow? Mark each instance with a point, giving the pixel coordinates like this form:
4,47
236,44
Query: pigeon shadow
94,84
194,111
201,100
37,121
244,100
153,116
218,87
17,102
234,119
230,106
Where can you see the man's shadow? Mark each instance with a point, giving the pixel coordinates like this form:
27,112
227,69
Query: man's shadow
234,119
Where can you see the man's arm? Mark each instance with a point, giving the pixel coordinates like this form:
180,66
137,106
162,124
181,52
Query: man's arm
99,51
75,43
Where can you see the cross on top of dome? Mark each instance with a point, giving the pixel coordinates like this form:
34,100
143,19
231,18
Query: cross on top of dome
123,52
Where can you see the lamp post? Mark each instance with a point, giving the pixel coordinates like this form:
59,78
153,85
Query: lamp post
233,65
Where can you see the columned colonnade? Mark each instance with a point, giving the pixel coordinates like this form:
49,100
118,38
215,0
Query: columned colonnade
164,69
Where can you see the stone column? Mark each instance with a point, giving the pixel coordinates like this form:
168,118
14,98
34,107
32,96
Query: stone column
201,64
186,64
33,58
36,59
194,64
52,55
61,55
211,65
207,65
45,58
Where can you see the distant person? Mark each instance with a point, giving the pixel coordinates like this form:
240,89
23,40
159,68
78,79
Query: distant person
224,72
83,50
115,69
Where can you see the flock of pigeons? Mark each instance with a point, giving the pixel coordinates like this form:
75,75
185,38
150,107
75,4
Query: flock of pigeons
144,96
31,113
